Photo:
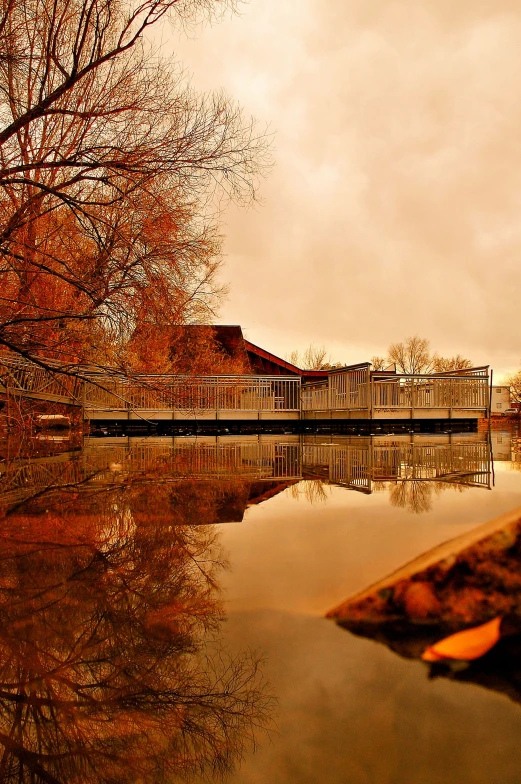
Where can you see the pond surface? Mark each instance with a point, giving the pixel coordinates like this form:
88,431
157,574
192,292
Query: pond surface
163,609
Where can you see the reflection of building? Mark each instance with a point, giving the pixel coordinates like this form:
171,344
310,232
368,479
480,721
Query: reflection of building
501,442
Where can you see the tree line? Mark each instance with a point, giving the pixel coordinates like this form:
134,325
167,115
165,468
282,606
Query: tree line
413,355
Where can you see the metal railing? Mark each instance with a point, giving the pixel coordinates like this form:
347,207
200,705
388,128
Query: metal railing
51,381
358,388
406,392
345,389
355,388
193,393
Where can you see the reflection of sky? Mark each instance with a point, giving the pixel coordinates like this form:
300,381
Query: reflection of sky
353,712
350,710
319,554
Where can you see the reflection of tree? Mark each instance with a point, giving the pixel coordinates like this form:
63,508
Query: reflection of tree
516,454
416,495
105,669
314,491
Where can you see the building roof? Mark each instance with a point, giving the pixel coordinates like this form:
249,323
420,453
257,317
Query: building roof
233,343
264,362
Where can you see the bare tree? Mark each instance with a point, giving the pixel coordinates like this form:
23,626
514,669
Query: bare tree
378,363
514,382
110,170
294,357
411,355
444,364
313,358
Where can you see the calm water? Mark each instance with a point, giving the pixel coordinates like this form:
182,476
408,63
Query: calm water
163,606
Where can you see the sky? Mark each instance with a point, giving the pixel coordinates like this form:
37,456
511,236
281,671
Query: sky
393,206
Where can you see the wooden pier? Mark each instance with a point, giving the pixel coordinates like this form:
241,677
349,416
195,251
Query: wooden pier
355,393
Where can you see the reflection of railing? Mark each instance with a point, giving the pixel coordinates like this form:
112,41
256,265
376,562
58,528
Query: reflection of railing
352,462
152,458
23,479
194,393
358,463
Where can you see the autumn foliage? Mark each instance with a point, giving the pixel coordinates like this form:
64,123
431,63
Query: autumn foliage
112,170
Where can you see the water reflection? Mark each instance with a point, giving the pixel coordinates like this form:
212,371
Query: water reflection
413,469
110,666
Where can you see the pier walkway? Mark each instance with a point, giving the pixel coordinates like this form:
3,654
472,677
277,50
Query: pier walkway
355,392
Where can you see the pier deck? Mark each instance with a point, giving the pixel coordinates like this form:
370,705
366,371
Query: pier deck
354,393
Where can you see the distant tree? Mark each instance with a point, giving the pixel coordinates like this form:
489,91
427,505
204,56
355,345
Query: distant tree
444,364
412,355
313,358
331,365
294,357
378,363
514,382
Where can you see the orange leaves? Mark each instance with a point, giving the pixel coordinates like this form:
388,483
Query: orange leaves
467,645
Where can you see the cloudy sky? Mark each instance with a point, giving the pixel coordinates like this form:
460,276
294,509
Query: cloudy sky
394,206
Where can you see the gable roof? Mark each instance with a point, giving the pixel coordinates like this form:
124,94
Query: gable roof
263,361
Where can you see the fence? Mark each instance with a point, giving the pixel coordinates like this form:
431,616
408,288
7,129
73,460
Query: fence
193,393
54,382
345,389
449,392
358,389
